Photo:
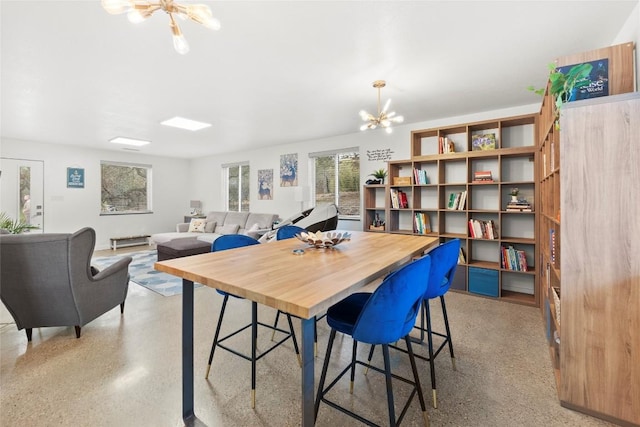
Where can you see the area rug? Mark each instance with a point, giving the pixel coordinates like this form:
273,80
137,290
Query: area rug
142,272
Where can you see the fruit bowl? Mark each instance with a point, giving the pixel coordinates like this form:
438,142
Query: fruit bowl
322,240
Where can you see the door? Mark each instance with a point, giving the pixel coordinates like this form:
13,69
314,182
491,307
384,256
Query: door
22,191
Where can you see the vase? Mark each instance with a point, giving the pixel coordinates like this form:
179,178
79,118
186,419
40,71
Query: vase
514,198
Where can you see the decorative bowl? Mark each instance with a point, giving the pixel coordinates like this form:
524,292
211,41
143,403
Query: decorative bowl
327,239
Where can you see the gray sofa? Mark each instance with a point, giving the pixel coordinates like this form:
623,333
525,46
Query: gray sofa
47,280
219,223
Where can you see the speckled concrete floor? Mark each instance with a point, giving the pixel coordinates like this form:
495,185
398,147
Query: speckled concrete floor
126,371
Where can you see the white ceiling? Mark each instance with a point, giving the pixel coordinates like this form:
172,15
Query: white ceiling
278,71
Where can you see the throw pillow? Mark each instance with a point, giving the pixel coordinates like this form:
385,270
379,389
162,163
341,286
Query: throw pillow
197,225
227,229
253,231
209,226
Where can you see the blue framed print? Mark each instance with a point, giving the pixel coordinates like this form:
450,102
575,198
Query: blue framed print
75,177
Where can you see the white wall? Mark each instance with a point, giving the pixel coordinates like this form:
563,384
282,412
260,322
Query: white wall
630,32
208,169
67,210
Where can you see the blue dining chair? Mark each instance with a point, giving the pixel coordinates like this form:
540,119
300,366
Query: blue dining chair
381,317
232,241
444,261
288,232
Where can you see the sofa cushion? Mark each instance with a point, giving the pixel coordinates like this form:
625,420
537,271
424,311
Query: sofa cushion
227,229
197,225
217,217
209,226
239,218
262,219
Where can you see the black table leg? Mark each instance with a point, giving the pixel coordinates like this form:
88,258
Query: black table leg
188,415
308,415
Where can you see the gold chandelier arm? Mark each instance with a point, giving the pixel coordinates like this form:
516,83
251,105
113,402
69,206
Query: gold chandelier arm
199,13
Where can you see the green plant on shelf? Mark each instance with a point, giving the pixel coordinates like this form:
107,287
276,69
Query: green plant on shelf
564,86
379,174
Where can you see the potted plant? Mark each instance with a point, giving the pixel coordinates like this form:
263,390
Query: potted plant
514,194
564,86
14,226
380,175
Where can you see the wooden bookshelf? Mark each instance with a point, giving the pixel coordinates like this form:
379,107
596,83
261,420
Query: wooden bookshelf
595,344
512,164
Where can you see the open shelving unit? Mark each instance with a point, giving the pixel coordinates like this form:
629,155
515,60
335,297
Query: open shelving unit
586,220
512,164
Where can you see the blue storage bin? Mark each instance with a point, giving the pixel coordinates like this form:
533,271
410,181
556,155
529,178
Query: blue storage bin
483,281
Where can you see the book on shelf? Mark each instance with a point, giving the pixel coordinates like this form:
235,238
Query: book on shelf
513,259
422,223
404,202
594,85
393,194
420,177
483,142
457,200
552,245
479,229
446,145
482,177
461,257
519,206
399,199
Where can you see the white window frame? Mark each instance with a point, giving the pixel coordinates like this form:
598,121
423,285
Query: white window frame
149,178
225,184
312,179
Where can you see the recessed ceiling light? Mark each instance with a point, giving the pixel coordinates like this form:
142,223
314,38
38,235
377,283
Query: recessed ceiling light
182,123
129,141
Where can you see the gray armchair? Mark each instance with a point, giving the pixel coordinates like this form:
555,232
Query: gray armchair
47,280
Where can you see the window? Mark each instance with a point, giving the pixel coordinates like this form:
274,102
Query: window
237,186
126,188
337,180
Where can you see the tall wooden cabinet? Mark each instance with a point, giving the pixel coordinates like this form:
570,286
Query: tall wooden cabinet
511,164
589,235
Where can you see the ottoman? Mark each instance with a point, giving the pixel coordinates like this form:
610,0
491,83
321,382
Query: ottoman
182,247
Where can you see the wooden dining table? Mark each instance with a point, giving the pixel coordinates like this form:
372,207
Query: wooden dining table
304,284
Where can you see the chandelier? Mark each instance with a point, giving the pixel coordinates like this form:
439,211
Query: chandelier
138,11
383,119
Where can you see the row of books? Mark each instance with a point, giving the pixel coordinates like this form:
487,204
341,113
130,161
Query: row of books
519,206
445,145
422,223
482,177
398,199
457,200
479,229
420,177
513,259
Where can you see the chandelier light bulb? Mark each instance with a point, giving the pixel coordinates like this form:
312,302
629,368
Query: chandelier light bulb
139,10
116,7
135,17
382,119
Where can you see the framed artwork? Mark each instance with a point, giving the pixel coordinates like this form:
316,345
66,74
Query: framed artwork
75,177
265,184
289,170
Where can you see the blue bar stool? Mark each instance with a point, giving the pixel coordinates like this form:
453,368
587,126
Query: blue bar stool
381,317
232,241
